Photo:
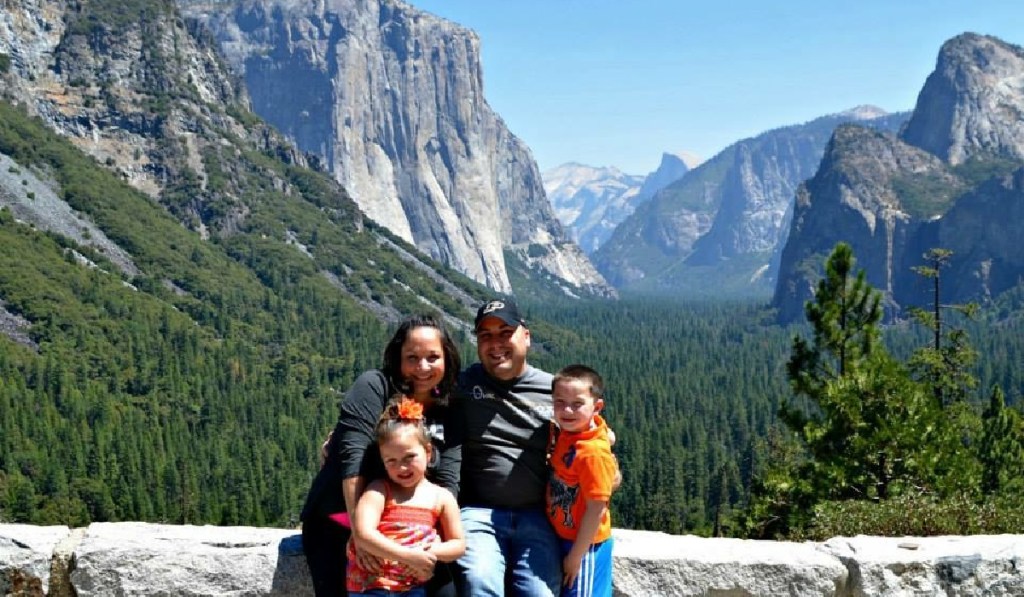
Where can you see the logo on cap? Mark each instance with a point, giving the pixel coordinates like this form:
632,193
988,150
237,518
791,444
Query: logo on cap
491,307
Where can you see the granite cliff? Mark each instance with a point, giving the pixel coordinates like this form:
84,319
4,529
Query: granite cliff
138,89
951,179
146,93
392,99
971,103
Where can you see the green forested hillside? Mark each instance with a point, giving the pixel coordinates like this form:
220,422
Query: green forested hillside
196,390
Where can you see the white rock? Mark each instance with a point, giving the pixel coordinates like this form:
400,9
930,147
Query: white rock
649,563
25,555
147,559
129,558
963,566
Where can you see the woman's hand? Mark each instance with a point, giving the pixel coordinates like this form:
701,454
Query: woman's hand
366,560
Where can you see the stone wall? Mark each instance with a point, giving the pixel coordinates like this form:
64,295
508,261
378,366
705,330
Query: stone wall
149,559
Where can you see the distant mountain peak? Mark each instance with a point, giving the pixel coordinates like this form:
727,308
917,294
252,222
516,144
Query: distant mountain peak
688,158
863,112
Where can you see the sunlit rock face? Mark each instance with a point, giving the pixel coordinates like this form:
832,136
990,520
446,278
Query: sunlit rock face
723,224
973,102
392,99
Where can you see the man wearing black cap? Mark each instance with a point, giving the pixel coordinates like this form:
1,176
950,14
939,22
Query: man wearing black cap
511,549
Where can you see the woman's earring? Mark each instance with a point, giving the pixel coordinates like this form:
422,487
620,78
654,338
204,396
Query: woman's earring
436,391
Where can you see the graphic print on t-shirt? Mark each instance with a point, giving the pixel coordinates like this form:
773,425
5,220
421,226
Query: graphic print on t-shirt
563,496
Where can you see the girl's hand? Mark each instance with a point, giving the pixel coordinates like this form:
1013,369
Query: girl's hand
422,577
430,550
420,562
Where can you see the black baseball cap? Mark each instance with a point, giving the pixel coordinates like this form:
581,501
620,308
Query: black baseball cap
503,309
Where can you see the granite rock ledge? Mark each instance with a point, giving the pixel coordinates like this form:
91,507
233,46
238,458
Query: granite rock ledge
132,558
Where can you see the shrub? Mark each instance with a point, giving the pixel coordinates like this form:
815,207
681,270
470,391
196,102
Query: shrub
915,515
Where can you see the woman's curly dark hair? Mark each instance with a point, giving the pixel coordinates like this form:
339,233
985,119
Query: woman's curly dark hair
392,366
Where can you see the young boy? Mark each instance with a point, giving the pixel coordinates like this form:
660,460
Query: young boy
582,473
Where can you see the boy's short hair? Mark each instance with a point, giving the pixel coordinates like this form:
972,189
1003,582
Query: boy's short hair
584,374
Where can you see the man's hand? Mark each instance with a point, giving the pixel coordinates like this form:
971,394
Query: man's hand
617,479
323,449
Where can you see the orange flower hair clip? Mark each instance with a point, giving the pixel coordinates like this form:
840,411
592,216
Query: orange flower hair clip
410,410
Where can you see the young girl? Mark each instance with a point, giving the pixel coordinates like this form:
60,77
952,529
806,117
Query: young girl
396,518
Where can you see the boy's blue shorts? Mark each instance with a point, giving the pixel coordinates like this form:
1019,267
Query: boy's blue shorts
595,577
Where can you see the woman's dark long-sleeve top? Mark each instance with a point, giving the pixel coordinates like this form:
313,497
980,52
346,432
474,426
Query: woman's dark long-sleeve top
353,451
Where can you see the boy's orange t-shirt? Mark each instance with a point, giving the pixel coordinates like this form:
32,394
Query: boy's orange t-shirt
582,468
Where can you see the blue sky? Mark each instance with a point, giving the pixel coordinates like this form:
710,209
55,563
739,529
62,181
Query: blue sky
616,83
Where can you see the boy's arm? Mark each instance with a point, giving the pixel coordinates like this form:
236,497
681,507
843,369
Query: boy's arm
597,471
589,526
453,544
364,528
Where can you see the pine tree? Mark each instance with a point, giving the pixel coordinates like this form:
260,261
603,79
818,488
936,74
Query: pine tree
853,385
947,364
946,367
1001,449
844,317
864,423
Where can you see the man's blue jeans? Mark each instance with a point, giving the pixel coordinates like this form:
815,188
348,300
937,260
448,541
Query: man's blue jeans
517,549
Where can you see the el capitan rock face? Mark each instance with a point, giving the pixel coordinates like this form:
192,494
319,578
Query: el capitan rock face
951,180
392,98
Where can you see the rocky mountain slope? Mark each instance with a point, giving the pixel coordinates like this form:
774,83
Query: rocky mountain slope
182,298
145,93
951,180
718,229
392,99
591,201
